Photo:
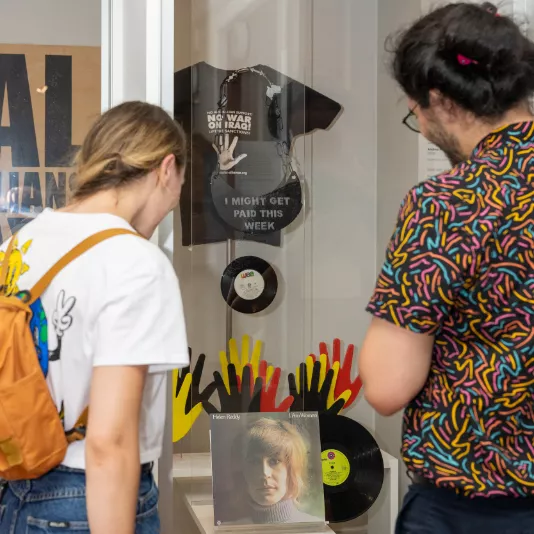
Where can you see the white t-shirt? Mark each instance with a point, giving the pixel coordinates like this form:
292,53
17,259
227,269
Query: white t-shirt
118,304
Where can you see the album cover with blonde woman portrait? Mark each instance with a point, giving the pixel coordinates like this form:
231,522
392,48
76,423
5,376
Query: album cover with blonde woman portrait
266,468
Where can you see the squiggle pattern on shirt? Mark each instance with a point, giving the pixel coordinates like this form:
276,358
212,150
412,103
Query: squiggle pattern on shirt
460,266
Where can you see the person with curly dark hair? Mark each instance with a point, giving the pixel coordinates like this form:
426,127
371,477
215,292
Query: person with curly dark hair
451,339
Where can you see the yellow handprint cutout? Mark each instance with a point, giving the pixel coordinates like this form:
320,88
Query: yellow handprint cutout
16,266
240,361
188,399
323,360
182,419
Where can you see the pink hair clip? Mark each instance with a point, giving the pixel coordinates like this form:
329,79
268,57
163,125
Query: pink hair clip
465,60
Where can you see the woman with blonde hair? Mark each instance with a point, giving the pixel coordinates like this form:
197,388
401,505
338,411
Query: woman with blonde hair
272,474
106,329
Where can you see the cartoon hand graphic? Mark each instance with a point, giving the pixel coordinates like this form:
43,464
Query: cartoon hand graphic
61,319
315,394
344,379
246,398
239,361
226,153
188,399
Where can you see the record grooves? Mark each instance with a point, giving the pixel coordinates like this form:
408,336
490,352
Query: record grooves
353,468
249,284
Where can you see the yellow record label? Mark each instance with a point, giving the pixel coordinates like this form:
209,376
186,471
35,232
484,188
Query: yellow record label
336,467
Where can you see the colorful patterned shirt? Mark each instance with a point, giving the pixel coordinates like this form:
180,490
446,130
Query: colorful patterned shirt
460,266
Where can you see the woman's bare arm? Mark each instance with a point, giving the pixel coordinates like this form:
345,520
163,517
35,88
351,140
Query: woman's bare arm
112,448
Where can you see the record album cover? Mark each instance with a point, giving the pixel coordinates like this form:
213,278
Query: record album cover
267,468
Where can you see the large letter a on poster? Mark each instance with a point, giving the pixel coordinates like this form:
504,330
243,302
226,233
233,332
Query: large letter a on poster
20,134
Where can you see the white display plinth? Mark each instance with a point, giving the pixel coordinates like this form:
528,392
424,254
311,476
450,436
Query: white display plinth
197,468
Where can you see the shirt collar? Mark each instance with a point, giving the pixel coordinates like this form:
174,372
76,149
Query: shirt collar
509,134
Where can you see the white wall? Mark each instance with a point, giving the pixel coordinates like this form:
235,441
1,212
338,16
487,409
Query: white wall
397,170
342,220
50,22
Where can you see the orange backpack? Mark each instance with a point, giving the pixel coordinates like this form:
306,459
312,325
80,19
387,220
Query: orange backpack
32,438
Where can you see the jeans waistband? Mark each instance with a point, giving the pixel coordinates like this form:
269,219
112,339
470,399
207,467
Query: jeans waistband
63,481
146,469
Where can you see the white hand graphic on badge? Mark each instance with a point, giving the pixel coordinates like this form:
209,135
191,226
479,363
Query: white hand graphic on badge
61,319
226,153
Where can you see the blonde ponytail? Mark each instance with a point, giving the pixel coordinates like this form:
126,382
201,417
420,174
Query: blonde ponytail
126,143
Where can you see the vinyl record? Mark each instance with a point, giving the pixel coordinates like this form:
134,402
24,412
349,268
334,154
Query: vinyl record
249,284
353,469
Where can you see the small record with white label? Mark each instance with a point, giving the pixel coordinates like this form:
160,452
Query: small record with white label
249,284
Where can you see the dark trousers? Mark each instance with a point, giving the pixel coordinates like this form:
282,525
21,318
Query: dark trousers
429,510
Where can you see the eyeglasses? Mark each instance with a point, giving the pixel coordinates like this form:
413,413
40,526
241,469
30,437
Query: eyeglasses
411,122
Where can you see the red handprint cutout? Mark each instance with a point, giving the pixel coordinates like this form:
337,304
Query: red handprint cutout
270,381
344,378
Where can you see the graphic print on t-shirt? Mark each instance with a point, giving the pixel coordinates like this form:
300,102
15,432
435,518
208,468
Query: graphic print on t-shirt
239,191
39,330
225,151
62,321
242,125
61,318
17,266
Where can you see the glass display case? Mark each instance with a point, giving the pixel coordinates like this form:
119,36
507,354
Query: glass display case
275,239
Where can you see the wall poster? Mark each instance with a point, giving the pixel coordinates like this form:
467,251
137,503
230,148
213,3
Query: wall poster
49,97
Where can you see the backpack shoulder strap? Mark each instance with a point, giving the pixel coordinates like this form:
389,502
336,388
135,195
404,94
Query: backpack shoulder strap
39,288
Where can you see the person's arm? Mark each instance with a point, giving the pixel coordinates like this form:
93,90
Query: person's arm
394,365
138,329
112,448
429,258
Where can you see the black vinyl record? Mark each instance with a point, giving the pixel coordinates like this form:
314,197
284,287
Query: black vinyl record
249,284
353,468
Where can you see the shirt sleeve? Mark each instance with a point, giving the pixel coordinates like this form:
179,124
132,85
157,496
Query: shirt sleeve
432,255
308,109
182,96
141,319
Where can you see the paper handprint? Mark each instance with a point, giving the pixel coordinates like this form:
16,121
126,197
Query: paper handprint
314,390
225,152
188,399
239,361
269,389
344,379
236,399
250,394
324,368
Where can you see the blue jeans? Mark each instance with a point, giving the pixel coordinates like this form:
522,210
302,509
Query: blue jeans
431,510
55,503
